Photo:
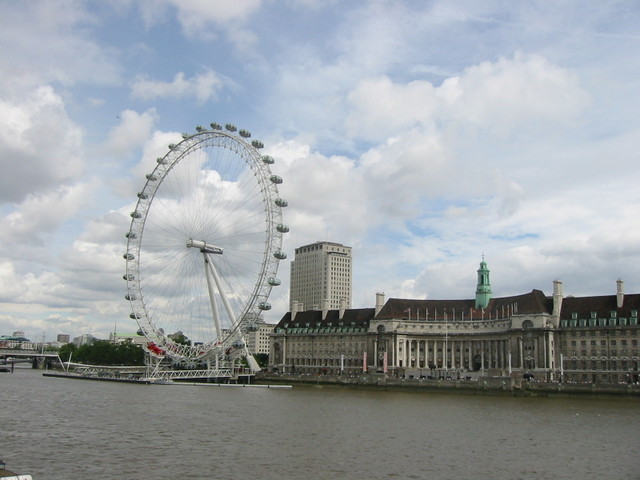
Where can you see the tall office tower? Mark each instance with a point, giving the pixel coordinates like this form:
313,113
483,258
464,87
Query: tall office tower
320,277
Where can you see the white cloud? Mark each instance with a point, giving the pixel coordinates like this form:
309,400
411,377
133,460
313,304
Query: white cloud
197,16
380,108
133,131
40,147
203,20
203,87
44,42
510,94
499,97
40,215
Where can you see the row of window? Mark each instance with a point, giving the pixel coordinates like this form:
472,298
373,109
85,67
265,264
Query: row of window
610,333
604,353
613,342
599,322
601,364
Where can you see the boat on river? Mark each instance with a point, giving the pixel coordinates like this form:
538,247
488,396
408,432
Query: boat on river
8,475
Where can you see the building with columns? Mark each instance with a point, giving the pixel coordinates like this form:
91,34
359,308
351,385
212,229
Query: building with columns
581,339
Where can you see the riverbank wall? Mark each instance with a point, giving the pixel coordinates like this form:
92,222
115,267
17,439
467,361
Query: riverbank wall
480,386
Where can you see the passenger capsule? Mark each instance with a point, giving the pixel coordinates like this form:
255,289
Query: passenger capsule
268,160
230,127
264,306
185,136
200,128
238,344
215,126
275,179
282,228
142,196
279,254
151,177
135,316
172,146
135,215
273,281
252,327
162,160
129,277
257,144
131,235
130,297
128,256
244,133
281,202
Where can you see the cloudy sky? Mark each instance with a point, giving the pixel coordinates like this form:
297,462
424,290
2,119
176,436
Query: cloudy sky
422,134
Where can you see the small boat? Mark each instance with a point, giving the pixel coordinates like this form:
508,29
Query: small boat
7,475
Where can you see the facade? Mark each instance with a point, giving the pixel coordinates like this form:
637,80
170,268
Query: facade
128,337
598,338
552,338
321,342
84,339
321,277
257,337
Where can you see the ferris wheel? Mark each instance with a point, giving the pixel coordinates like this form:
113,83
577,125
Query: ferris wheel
204,246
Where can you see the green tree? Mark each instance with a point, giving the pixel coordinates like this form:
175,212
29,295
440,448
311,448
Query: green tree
180,338
262,359
103,352
67,351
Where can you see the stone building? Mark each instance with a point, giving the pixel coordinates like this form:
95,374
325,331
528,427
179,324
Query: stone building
257,337
598,338
321,342
581,339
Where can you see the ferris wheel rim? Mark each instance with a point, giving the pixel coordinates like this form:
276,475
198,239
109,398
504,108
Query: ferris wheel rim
159,344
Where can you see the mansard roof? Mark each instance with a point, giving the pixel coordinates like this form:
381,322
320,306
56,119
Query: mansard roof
533,302
602,306
358,317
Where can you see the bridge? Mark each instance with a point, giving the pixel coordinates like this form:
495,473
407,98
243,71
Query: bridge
149,373
38,359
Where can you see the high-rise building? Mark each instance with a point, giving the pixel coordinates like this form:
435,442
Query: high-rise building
321,277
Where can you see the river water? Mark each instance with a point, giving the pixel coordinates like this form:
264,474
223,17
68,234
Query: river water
65,429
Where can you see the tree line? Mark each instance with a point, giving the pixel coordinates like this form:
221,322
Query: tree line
103,352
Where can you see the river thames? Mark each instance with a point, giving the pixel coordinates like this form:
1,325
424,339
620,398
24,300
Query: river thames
65,429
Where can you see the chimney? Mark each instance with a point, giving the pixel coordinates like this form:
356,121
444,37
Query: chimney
343,307
557,299
325,308
295,308
620,293
379,302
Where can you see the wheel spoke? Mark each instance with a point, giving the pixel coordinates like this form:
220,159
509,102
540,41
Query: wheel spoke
208,199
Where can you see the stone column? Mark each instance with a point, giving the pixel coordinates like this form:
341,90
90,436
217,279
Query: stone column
407,353
453,354
520,352
426,353
375,352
